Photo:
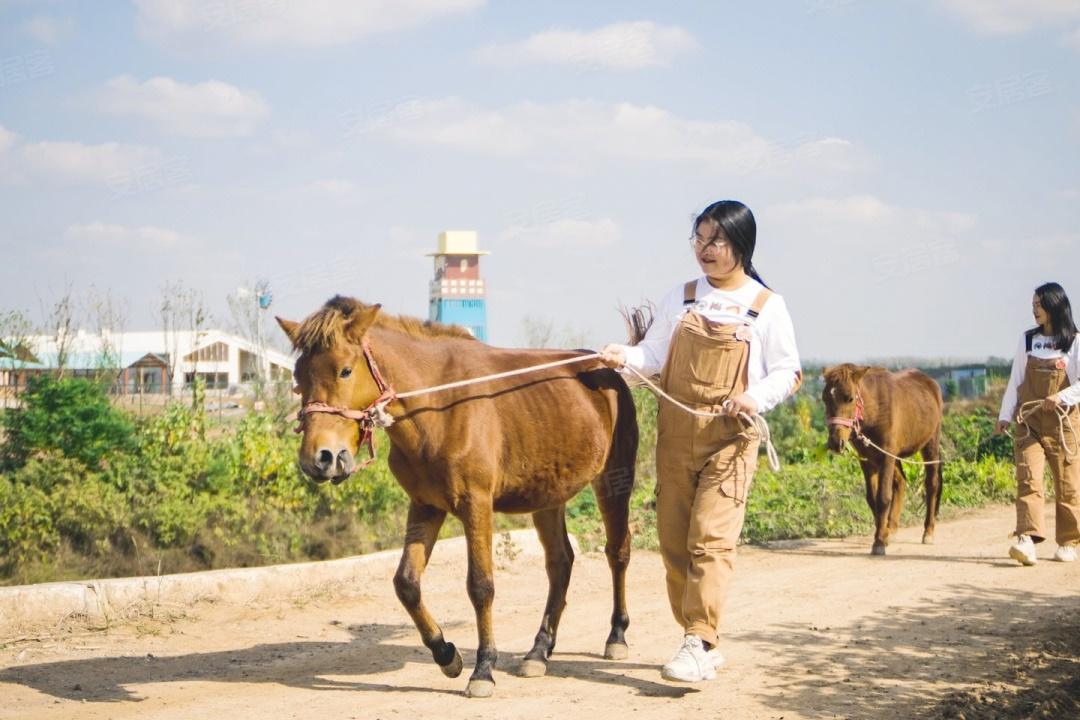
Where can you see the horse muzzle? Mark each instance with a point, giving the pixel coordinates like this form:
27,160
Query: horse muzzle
330,465
836,443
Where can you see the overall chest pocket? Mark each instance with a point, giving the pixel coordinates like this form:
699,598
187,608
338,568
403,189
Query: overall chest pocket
712,363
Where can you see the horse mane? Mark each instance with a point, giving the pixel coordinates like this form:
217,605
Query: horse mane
325,327
847,371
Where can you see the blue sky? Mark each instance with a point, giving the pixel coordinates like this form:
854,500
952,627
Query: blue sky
914,167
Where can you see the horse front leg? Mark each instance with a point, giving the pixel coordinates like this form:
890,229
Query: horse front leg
883,505
899,491
422,529
871,472
476,517
559,559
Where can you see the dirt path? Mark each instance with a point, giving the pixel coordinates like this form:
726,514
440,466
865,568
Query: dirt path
814,629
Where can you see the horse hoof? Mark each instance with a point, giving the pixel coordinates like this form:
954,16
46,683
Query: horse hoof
878,549
533,668
480,689
616,651
928,539
453,669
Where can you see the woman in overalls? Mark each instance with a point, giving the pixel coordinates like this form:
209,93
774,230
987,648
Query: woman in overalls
1042,400
722,342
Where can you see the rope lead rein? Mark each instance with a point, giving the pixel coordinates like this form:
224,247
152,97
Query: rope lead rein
380,417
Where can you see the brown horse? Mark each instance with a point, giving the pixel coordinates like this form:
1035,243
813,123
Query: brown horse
886,416
526,444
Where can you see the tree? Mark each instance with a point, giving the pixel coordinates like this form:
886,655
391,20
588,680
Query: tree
540,333
108,317
182,310
59,324
15,351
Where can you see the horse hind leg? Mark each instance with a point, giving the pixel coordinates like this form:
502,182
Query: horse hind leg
933,485
422,529
613,490
559,559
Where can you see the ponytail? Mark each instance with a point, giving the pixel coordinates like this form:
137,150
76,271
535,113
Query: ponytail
752,272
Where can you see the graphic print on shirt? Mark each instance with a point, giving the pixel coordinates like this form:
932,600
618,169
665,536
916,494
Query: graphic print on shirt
1040,342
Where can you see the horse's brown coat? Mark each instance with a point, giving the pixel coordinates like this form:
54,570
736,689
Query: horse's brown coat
902,414
522,445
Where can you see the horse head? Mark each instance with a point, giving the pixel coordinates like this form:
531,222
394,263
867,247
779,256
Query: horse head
843,402
336,381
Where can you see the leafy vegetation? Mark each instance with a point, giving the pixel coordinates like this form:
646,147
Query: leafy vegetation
87,490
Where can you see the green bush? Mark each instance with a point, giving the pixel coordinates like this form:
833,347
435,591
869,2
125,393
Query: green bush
970,436
88,490
27,526
71,416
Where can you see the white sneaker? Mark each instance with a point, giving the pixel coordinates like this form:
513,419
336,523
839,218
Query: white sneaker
1065,553
1023,551
716,658
691,664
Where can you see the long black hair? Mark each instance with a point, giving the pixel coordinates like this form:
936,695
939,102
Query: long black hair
1055,302
738,226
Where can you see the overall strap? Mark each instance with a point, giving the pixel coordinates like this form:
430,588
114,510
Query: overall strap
690,293
759,303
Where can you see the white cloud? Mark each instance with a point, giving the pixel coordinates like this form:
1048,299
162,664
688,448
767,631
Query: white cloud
76,162
1010,17
572,133
563,235
208,109
868,221
283,22
342,191
621,46
49,30
7,139
1072,39
149,239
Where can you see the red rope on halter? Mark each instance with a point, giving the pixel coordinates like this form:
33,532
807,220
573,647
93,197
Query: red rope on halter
364,418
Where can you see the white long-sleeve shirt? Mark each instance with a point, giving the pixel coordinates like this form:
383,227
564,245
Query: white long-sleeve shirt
774,366
1042,347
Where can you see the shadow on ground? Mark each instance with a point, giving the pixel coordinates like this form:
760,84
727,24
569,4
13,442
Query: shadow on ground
329,665
967,653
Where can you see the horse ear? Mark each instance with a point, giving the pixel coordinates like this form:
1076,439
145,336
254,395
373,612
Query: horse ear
360,322
858,374
289,327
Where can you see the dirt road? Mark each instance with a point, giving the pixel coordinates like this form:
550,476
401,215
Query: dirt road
813,629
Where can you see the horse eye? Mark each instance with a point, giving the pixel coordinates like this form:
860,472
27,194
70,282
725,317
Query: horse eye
346,372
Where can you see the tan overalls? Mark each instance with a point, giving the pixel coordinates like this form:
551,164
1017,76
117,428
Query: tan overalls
1042,442
703,465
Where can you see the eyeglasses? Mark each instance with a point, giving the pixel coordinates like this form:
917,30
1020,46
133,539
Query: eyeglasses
699,243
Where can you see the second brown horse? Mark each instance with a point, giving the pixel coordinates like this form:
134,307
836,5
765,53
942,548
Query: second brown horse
900,414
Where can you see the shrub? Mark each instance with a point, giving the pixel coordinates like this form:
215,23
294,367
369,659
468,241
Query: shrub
72,416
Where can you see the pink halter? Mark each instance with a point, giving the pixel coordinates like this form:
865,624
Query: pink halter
365,417
853,422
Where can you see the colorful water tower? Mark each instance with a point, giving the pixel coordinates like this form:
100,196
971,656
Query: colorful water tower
457,291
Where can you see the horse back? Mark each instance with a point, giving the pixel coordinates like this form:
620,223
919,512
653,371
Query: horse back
530,441
906,407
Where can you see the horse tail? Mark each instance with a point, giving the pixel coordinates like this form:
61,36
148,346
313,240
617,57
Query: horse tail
622,458
638,321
